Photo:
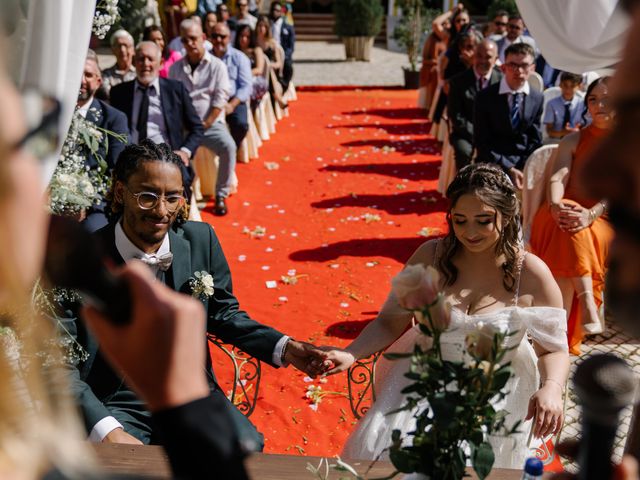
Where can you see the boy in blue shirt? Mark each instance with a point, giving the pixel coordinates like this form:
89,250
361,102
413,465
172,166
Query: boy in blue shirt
563,114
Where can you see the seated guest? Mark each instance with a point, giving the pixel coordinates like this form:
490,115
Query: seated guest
570,232
222,11
207,81
240,80
104,117
563,114
433,47
462,94
150,225
498,25
246,43
244,17
515,34
264,40
159,109
123,71
506,121
155,34
176,44
285,36
209,20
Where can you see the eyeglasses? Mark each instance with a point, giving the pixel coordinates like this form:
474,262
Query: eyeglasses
150,200
41,140
500,24
518,66
217,36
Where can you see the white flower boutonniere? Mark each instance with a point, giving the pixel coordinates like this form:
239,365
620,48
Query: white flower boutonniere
201,285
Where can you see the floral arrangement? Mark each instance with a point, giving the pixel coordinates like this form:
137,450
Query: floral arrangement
105,16
201,285
74,187
459,418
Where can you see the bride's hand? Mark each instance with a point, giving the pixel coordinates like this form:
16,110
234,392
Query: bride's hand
545,407
337,360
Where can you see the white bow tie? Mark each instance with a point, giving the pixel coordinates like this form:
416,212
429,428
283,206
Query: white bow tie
163,262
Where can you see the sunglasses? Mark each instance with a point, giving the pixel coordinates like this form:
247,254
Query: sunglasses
500,24
218,36
42,139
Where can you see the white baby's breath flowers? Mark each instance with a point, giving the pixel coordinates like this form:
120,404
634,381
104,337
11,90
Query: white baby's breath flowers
105,16
201,285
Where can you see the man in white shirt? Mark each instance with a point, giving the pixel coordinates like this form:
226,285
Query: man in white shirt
244,17
152,227
207,81
515,34
123,70
176,43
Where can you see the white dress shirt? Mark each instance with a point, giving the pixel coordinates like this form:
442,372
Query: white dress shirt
276,29
128,251
505,89
83,110
208,85
156,127
485,78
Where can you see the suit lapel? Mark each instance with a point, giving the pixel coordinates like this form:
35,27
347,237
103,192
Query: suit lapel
181,264
527,111
166,106
128,104
91,115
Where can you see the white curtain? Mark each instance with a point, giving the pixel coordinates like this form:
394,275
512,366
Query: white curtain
55,47
577,35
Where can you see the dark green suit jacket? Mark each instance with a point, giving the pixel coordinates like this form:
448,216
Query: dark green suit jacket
101,392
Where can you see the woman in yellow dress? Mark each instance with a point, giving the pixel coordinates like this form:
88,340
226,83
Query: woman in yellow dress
570,232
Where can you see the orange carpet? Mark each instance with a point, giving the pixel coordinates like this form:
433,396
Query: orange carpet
345,192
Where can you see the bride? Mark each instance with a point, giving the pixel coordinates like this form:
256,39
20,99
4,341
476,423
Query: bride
487,277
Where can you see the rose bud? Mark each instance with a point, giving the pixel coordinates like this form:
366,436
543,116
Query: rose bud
416,287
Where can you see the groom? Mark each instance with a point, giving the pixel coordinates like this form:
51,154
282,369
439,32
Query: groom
151,226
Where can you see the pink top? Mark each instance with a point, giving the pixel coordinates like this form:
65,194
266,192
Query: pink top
166,64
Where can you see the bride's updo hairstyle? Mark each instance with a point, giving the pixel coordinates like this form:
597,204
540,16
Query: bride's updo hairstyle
493,188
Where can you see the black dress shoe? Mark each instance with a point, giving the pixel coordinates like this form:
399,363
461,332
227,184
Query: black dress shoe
221,206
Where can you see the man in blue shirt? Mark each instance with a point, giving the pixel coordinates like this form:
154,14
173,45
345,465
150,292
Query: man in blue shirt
240,80
563,114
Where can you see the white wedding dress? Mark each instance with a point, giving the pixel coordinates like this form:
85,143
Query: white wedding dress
546,325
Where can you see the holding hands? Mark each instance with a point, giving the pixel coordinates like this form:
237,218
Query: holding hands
571,217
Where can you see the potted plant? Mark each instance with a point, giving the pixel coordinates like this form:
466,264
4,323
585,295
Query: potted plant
408,33
357,23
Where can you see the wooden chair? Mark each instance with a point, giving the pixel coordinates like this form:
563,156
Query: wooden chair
247,371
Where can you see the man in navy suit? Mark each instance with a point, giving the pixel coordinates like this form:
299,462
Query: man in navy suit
285,36
159,109
106,118
507,115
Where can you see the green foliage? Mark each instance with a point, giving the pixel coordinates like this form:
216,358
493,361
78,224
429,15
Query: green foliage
358,18
132,17
460,397
413,24
508,5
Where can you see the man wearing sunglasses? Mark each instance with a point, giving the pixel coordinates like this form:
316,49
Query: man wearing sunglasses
515,34
499,25
150,225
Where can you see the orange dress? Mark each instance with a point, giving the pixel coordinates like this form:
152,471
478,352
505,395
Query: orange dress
578,254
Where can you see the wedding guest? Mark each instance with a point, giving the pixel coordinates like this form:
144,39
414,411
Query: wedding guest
155,34
506,121
209,20
450,23
240,80
433,48
266,42
108,119
499,25
177,45
246,43
563,114
149,223
244,17
160,109
122,47
284,34
207,81
515,34
486,276
463,89
570,231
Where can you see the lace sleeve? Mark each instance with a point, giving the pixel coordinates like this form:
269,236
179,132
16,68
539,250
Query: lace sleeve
547,326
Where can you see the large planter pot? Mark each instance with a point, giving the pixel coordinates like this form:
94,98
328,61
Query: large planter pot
411,79
358,48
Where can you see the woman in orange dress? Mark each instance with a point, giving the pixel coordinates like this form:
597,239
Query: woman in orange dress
570,231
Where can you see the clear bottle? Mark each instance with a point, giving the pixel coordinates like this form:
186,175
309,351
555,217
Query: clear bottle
533,469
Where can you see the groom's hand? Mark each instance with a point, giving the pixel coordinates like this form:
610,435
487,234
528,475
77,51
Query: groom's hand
305,357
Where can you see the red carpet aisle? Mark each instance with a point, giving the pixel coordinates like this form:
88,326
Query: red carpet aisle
339,199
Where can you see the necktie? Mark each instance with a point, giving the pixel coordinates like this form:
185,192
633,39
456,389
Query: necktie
515,109
480,84
143,114
567,115
163,262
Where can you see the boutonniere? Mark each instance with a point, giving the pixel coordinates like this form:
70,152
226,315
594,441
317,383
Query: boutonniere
201,285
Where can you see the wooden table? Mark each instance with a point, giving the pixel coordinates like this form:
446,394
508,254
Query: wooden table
152,461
